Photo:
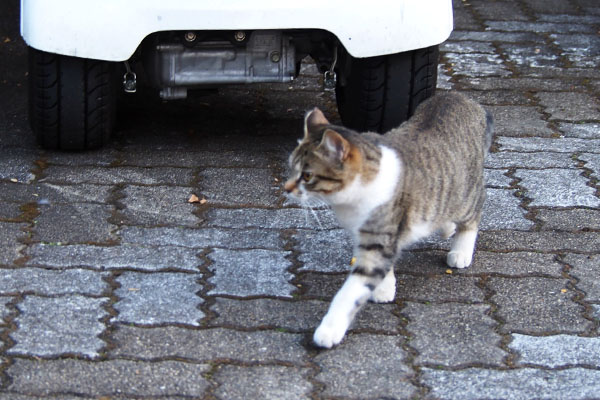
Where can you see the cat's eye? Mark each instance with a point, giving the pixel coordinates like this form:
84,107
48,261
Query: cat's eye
307,176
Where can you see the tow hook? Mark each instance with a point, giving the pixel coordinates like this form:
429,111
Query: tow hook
129,79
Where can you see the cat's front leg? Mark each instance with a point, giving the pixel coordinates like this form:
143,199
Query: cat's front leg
463,246
372,267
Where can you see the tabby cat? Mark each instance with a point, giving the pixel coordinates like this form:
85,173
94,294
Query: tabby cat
391,190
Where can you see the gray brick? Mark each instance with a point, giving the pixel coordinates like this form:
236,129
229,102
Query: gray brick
5,311
525,83
237,186
575,219
263,382
491,36
484,262
49,283
502,210
556,351
11,248
275,219
208,344
516,26
366,366
10,211
149,157
108,378
497,178
54,193
158,205
104,158
158,298
17,164
500,11
466,47
203,237
50,327
297,315
114,257
510,159
476,65
438,288
592,161
536,55
570,106
324,251
553,6
581,50
557,188
586,269
579,130
519,121
517,384
453,334
74,223
545,241
116,175
250,273
537,306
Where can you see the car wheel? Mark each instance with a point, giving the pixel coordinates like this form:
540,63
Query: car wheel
379,93
72,101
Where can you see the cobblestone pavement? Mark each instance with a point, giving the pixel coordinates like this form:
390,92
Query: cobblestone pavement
112,285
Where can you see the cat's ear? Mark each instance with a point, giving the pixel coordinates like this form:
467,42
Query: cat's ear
312,119
336,145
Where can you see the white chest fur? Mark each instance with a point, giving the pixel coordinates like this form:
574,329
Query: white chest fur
354,204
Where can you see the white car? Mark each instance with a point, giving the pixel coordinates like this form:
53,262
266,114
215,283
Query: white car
380,56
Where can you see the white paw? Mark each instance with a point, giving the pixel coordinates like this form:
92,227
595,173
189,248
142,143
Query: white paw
328,335
459,259
385,292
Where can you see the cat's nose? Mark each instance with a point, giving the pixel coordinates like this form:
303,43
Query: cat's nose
290,185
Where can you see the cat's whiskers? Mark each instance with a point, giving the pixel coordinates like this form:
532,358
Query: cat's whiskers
306,204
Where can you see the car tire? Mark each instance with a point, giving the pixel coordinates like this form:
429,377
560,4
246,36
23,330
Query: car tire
379,93
72,101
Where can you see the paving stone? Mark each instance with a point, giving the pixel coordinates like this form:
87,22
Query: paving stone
556,351
497,178
10,211
11,248
500,11
114,257
158,298
502,210
158,205
104,157
463,19
584,131
586,269
108,378
484,262
74,223
52,282
554,6
208,344
535,55
510,159
499,97
525,83
453,335
324,251
537,306
491,36
366,366
515,26
545,241
438,288
570,106
476,65
581,50
466,47
519,121
576,219
50,327
5,311
517,384
52,193
592,161
283,218
239,186
193,159
262,382
562,145
557,188
297,315
17,164
111,176
205,237
250,273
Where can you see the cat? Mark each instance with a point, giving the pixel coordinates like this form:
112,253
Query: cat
391,190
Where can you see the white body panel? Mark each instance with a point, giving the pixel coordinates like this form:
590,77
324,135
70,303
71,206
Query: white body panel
113,29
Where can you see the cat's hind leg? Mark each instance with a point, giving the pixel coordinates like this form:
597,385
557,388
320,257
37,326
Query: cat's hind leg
463,245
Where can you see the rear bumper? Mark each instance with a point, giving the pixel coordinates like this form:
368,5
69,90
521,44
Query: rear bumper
113,29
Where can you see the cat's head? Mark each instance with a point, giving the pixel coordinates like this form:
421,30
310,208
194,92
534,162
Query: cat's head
325,161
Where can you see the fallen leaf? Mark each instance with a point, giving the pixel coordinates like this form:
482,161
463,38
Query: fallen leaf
6,40
563,290
14,180
353,261
449,271
203,201
193,199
